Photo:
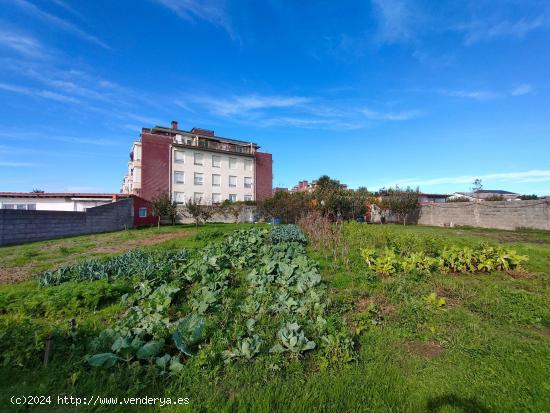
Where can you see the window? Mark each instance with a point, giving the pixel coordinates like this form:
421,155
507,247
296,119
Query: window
198,197
216,198
248,198
143,212
31,207
216,161
179,197
179,177
247,165
216,180
233,181
179,156
233,197
8,206
199,178
21,206
198,158
247,182
232,163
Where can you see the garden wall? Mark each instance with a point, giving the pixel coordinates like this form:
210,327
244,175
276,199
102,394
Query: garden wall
20,226
494,214
248,215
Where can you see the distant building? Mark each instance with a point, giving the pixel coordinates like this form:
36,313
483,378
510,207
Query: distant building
142,211
280,189
432,198
306,186
484,194
197,165
55,201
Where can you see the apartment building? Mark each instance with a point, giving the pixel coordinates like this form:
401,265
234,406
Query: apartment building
197,165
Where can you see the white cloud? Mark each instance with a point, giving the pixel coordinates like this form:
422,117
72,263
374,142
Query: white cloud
21,43
483,30
42,93
522,90
397,20
9,164
390,116
57,22
212,11
472,94
240,105
506,177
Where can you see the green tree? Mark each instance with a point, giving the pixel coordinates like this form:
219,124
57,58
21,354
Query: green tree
401,202
163,206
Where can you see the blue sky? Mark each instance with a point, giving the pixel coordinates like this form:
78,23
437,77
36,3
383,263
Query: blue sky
374,93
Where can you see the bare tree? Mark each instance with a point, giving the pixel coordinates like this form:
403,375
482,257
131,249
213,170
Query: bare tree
477,185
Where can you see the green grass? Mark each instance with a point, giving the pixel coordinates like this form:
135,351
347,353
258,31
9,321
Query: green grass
486,350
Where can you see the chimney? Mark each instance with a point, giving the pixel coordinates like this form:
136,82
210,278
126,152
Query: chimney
174,124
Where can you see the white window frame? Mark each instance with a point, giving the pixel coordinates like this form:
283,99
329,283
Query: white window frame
140,212
217,164
198,156
180,173
219,179
232,198
182,197
247,198
176,160
248,182
233,163
230,184
216,198
200,197
199,182
247,165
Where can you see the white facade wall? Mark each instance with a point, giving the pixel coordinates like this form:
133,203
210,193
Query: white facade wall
210,192
132,180
51,204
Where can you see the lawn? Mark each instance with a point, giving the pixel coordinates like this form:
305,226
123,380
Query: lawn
422,342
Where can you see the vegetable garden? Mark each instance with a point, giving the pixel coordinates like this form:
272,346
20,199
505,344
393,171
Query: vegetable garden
352,317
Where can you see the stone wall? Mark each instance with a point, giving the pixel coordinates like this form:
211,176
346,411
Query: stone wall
494,214
20,226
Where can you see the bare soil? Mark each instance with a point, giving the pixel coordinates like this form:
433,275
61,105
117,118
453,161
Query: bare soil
428,350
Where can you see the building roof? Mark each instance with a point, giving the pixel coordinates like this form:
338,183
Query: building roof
435,195
61,195
206,134
495,191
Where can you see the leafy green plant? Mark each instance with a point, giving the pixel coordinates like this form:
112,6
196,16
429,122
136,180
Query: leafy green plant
287,233
189,333
292,339
246,348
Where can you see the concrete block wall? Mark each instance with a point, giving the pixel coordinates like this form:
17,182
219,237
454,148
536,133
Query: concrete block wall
494,214
20,226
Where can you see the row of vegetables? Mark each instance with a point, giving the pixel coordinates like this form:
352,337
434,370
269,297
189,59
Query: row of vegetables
482,258
255,294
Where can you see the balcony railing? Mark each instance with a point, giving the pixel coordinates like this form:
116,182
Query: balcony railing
221,146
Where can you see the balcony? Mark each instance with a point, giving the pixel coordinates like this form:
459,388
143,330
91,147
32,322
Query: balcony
219,146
